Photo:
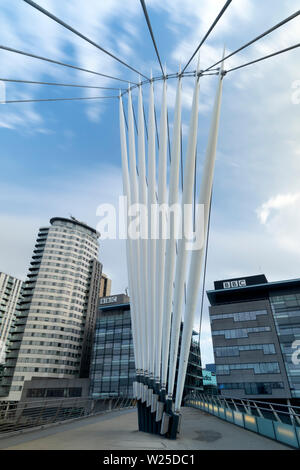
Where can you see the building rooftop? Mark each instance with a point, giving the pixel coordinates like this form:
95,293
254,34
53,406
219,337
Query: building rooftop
248,288
75,222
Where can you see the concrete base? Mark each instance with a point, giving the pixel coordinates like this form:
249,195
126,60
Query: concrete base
119,431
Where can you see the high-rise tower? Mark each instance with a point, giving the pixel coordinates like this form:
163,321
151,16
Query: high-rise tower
10,288
54,328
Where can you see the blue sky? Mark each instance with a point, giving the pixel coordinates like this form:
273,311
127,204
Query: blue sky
64,158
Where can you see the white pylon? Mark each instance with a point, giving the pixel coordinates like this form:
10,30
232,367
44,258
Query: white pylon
144,230
151,228
135,244
182,255
197,255
156,275
171,241
126,192
161,242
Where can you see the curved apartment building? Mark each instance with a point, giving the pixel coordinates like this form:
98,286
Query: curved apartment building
10,288
53,331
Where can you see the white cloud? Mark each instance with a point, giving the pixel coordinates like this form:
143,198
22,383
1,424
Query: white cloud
278,202
280,216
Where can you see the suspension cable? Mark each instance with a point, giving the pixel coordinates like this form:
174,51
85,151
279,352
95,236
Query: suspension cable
30,82
209,31
28,54
57,99
278,25
65,25
264,58
151,33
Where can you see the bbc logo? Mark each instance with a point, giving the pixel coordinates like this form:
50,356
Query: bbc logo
229,284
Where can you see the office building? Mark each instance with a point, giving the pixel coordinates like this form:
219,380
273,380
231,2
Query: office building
211,368
10,288
105,286
255,324
209,382
113,365
53,332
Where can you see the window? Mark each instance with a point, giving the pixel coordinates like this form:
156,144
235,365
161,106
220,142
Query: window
55,392
240,316
75,392
258,368
36,392
253,388
240,332
228,351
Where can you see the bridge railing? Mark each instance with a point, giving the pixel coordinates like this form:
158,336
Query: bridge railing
18,416
273,420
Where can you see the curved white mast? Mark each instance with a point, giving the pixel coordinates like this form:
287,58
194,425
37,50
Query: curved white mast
126,192
171,241
151,227
197,255
161,242
144,230
181,263
135,243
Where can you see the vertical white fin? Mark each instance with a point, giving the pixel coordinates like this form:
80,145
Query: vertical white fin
161,242
197,255
171,242
181,264
151,227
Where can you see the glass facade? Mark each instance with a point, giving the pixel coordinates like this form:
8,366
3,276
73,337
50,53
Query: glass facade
113,366
230,351
240,332
54,392
286,312
240,316
258,368
194,378
209,382
253,388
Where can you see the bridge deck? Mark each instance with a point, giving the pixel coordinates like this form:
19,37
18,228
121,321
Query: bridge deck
118,431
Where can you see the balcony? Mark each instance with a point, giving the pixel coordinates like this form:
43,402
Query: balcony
12,355
32,274
17,329
5,382
14,337
40,245
21,314
19,322
10,363
35,263
8,373
14,346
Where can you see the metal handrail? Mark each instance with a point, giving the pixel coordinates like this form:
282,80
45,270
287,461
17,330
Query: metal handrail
17,416
255,404
259,401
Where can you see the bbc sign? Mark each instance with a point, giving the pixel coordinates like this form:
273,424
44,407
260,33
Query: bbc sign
108,300
229,284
